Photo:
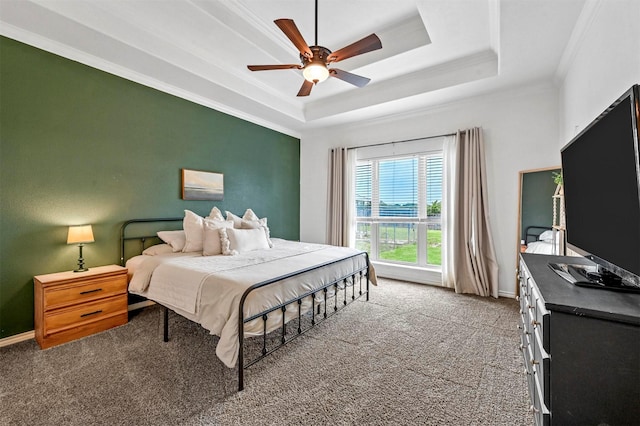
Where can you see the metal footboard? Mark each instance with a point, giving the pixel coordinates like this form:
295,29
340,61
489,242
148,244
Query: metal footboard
359,274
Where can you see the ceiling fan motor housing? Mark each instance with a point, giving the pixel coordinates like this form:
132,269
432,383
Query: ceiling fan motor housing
320,54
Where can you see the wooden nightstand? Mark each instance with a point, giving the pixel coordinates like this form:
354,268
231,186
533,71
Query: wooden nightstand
70,305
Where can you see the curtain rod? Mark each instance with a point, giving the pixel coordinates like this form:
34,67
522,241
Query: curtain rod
406,140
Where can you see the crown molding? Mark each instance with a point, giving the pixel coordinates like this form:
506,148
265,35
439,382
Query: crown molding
583,24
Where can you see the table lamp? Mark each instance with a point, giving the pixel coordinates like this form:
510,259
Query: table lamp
80,235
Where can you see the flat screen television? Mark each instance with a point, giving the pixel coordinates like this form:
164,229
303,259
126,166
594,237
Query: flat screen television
601,174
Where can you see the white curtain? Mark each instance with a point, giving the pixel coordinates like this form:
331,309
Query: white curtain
469,262
341,193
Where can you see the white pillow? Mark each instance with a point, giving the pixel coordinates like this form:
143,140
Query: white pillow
158,249
237,221
215,214
261,223
546,236
211,244
236,241
176,239
194,231
248,215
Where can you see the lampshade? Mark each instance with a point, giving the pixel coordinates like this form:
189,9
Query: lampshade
80,234
315,72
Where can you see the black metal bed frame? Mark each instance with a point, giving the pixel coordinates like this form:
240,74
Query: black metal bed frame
348,280
532,233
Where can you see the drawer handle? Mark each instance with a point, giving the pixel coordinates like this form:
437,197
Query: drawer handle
534,362
535,323
90,313
91,291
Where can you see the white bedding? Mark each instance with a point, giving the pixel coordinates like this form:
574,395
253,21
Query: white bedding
542,247
207,289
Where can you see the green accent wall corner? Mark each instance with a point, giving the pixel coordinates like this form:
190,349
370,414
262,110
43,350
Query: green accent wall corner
81,146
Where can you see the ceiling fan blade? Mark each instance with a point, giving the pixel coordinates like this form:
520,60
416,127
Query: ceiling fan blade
273,67
305,90
367,44
289,29
354,79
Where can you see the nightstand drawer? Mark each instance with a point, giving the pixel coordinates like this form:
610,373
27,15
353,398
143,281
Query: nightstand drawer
71,294
75,316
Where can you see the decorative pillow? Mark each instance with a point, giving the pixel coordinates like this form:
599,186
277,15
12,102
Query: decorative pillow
261,223
248,215
236,241
215,214
225,245
237,221
194,231
176,239
158,249
546,236
211,244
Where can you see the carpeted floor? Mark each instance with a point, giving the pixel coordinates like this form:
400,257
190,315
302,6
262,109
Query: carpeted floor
412,355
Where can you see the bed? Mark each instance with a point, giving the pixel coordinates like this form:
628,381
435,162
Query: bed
541,240
284,289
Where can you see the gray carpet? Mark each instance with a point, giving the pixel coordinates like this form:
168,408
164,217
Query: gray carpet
413,354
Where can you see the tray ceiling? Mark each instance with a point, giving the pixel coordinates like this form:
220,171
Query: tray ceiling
434,51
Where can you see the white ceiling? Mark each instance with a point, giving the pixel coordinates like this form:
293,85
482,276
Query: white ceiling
434,51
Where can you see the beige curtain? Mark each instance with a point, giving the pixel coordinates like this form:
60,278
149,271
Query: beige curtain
341,193
469,260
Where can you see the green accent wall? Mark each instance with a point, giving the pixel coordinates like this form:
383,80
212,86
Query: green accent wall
78,146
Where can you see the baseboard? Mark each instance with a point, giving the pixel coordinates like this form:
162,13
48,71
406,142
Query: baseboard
509,294
17,338
28,335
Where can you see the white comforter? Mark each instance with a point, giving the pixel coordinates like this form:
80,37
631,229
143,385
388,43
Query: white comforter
208,289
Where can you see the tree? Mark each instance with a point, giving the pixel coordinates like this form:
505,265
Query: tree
434,208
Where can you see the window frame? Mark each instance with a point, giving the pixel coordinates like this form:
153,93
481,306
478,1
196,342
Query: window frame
422,149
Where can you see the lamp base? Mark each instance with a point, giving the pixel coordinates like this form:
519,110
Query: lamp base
81,267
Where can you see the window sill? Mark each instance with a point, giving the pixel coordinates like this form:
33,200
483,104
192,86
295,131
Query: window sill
415,274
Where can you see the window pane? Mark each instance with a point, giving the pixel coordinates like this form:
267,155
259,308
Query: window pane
397,242
363,189
398,180
434,244
363,237
434,186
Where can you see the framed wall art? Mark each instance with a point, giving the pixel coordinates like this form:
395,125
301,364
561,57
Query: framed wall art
199,185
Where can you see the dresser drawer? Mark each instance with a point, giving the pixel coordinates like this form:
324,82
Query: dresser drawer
75,316
540,411
76,293
541,367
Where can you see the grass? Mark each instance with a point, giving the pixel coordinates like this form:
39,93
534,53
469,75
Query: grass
408,252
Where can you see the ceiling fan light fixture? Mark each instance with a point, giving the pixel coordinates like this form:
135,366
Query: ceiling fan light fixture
315,72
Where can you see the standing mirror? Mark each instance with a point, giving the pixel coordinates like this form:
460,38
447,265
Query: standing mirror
540,209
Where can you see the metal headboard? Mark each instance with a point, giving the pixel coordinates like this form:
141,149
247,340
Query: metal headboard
534,232
142,238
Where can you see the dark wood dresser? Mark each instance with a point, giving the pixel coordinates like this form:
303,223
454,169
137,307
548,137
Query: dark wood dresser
581,348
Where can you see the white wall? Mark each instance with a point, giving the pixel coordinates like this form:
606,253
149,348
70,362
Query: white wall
602,64
520,132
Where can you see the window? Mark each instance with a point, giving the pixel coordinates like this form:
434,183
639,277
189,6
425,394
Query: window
398,205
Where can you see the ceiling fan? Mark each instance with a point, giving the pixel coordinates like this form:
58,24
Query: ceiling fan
315,59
